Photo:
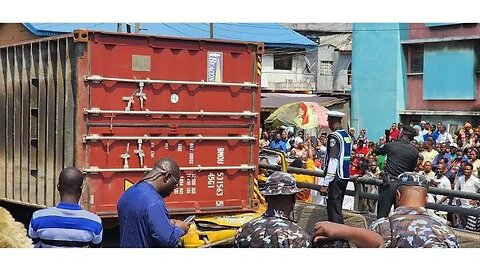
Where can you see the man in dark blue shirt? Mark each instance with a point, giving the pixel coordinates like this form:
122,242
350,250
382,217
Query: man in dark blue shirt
143,216
278,143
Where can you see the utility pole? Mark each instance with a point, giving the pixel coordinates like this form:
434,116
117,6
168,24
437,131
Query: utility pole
137,28
211,30
119,27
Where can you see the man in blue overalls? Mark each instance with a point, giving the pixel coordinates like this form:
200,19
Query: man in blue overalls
337,165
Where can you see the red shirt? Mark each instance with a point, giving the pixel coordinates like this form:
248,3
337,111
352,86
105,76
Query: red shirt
359,154
394,134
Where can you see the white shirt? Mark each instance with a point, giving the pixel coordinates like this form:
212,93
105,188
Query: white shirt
471,185
445,137
445,184
349,201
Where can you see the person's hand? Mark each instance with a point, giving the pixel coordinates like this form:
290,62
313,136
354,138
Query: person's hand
323,190
326,230
182,225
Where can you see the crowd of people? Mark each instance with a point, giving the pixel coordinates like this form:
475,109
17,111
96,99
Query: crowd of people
449,161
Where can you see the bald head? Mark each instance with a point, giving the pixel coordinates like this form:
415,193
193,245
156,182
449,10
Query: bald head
70,181
164,176
412,196
167,165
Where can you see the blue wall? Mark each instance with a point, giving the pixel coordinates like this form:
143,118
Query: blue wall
449,71
378,80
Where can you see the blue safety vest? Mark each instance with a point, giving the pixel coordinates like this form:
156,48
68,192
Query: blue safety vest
343,172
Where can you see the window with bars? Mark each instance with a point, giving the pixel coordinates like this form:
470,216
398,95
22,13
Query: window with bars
282,61
326,68
416,59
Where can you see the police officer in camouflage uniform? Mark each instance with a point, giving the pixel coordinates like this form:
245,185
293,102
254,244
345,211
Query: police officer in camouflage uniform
274,229
410,226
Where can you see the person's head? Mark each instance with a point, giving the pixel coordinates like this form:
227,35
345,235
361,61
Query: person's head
476,131
265,135
433,127
417,129
164,176
427,166
422,124
284,134
427,126
372,158
300,134
394,126
473,154
372,166
407,132
351,131
279,191
363,132
468,169
429,144
442,147
382,140
334,119
263,160
441,168
70,183
371,145
290,134
441,129
363,166
412,190
399,125
297,163
419,166
459,153
467,126
439,124
278,136
360,142
299,144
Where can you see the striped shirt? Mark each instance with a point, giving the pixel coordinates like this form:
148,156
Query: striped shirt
65,225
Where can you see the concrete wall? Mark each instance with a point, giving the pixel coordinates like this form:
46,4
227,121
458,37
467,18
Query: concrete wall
378,80
11,33
420,30
297,78
338,81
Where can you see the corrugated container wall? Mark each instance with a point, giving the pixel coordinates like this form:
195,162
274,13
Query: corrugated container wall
37,118
112,104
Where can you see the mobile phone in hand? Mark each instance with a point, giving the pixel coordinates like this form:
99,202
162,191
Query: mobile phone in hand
189,218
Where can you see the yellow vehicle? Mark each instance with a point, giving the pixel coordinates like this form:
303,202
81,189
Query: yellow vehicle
220,229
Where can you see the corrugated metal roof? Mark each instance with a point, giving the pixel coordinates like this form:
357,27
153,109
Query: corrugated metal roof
342,42
276,100
272,34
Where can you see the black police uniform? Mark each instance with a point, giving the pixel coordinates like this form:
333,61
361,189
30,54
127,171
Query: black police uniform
401,157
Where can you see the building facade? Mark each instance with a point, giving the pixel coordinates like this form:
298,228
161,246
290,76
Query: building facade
414,72
331,61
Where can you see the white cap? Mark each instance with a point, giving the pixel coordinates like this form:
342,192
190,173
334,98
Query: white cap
298,140
454,145
335,114
423,122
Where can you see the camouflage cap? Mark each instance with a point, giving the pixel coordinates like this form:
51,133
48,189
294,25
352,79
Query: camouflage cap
412,179
280,183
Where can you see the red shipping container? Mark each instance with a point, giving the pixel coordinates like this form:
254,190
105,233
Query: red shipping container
138,98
